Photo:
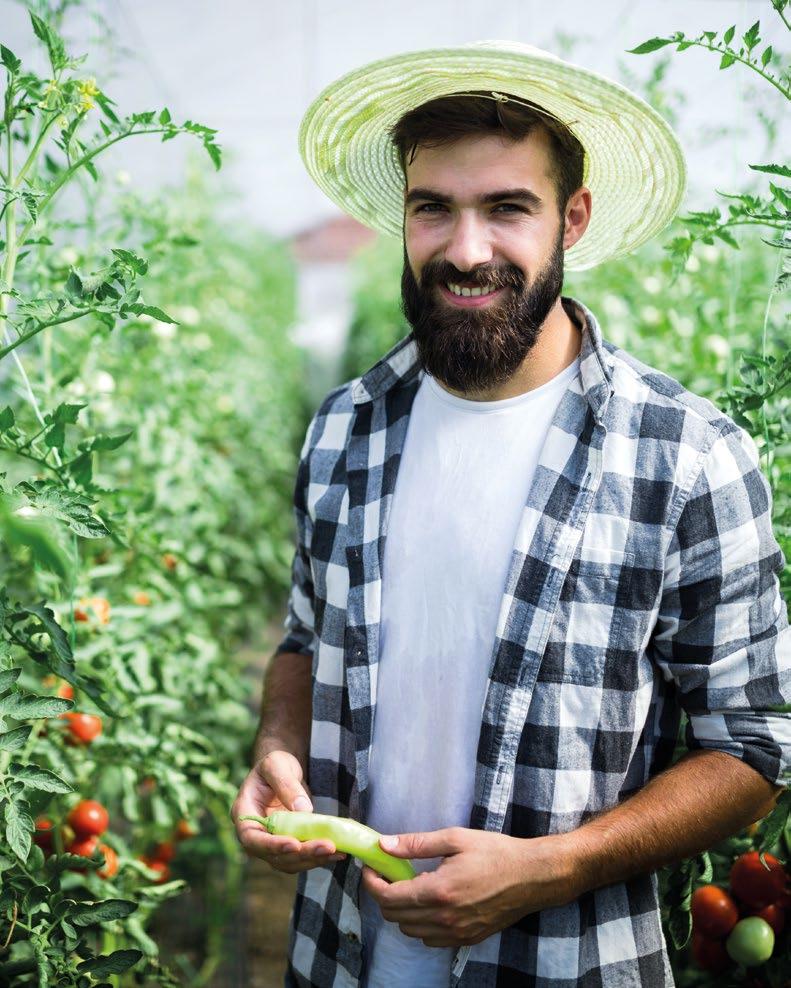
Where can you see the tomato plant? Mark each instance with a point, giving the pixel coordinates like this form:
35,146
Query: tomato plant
140,546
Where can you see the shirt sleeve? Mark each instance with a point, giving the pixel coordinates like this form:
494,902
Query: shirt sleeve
722,631
299,621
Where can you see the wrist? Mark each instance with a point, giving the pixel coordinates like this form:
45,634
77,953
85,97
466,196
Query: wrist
266,743
575,865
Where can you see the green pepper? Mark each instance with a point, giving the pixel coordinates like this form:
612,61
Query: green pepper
347,835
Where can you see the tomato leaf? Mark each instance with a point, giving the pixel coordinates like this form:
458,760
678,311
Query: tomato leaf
8,677
783,170
115,963
19,827
29,706
648,46
9,59
151,310
88,914
39,778
16,739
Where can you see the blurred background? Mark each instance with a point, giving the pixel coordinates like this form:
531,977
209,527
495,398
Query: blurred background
260,296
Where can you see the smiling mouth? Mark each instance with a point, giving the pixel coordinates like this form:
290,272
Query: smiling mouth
469,295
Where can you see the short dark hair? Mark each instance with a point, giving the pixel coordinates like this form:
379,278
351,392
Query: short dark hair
446,119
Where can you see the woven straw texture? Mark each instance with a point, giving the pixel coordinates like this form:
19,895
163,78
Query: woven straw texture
634,164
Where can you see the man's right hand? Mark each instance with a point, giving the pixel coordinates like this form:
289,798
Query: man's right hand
276,783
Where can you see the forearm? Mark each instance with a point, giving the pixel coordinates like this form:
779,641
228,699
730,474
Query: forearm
286,707
702,799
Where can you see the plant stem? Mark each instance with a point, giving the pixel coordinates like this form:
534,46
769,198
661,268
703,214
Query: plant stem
78,164
745,61
44,325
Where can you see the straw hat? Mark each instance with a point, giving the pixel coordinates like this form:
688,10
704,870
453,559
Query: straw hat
634,165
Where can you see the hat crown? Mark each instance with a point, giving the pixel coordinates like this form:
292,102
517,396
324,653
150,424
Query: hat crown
515,47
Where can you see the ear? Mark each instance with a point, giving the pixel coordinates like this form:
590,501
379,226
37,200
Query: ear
577,216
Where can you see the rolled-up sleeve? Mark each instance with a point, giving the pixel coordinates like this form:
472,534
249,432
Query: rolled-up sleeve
299,621
722,631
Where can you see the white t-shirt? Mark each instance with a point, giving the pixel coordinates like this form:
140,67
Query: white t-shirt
462,485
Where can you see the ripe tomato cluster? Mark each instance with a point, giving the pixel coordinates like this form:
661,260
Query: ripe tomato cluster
86,822
93,609
740,925
159,858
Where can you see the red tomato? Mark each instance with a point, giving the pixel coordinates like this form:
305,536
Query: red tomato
88,818
755,885
159,866
43,836
83,728
774,915
110,862
164,852
714,913
66,690
710,954
84,847
141,598
184,830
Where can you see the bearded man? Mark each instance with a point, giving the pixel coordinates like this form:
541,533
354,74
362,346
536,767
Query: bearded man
522,554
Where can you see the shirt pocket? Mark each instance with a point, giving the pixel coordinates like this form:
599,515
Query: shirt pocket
590,616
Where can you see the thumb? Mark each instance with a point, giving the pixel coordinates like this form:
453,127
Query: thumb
429,844
285,784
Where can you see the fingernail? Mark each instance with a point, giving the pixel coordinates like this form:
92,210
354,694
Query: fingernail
389,842
323,850
302,803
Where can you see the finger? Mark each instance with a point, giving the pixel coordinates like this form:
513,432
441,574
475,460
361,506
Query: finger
426,844
277,771
248,803
263,845
293,863
373,882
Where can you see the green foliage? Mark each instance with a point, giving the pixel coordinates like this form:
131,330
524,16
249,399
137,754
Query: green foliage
147,455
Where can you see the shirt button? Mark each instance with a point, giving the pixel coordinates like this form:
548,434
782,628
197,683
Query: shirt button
352,936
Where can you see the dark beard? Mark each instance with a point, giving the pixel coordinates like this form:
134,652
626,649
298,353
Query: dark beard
474,350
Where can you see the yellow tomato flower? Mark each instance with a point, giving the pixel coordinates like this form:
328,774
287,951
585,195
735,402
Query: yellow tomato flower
88,88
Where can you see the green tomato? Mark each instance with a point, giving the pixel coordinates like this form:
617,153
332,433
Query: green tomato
347,835
751,941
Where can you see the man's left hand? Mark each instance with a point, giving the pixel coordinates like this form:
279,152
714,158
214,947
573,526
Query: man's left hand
487,881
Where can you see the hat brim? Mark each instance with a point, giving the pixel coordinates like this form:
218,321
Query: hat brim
634,164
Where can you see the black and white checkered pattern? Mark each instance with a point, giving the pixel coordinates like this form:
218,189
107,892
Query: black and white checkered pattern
643,580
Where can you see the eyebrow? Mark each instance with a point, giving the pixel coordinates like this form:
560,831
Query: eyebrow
518,195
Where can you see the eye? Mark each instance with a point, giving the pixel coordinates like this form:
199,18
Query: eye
509,206
429,207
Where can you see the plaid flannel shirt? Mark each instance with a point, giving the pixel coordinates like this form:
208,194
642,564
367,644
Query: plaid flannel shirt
643,581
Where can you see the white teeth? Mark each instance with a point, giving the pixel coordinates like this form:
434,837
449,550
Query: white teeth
458,290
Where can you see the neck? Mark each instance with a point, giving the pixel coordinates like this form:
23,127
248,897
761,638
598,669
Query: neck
557,347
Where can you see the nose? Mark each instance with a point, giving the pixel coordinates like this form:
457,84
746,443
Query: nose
469,244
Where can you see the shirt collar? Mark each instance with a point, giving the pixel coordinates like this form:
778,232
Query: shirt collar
401,364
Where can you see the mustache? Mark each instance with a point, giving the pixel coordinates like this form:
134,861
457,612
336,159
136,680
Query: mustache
500,276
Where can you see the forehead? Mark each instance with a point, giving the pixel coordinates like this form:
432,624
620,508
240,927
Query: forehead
484,160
